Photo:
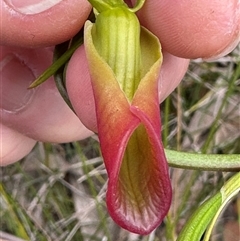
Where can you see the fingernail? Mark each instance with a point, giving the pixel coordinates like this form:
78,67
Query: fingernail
32,6
14,82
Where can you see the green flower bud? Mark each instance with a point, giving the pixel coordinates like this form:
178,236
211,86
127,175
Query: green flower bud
116,36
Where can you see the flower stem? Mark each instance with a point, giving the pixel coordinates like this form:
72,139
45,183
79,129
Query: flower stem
208,162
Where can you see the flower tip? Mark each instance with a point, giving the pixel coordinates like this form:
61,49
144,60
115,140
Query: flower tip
143,224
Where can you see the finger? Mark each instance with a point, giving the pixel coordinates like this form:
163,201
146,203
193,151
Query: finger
78,83
193,29
14,146
172,72
80,89
39,113
37,23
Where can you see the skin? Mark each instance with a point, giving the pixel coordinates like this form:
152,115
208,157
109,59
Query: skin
28,35
193,29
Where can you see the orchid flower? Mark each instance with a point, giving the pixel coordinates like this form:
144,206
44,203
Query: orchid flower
124,61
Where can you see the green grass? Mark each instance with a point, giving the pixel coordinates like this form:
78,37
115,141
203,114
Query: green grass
57,192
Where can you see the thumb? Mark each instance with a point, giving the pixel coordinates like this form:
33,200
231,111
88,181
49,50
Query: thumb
38,23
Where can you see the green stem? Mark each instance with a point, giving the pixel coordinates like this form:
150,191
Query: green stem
102,5
165,121
170,228
138,6
208,162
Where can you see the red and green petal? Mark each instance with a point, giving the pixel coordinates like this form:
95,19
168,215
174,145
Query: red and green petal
139,189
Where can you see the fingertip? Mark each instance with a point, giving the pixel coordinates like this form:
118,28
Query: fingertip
49,27
14,146
193,29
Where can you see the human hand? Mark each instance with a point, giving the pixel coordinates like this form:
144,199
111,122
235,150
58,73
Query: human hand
38,114
41,114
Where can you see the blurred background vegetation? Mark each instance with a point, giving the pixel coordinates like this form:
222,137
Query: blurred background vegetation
57,192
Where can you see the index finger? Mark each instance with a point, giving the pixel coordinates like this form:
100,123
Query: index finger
194,29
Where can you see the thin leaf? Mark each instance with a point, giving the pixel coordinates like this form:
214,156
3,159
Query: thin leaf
209,211
56,65
228,191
